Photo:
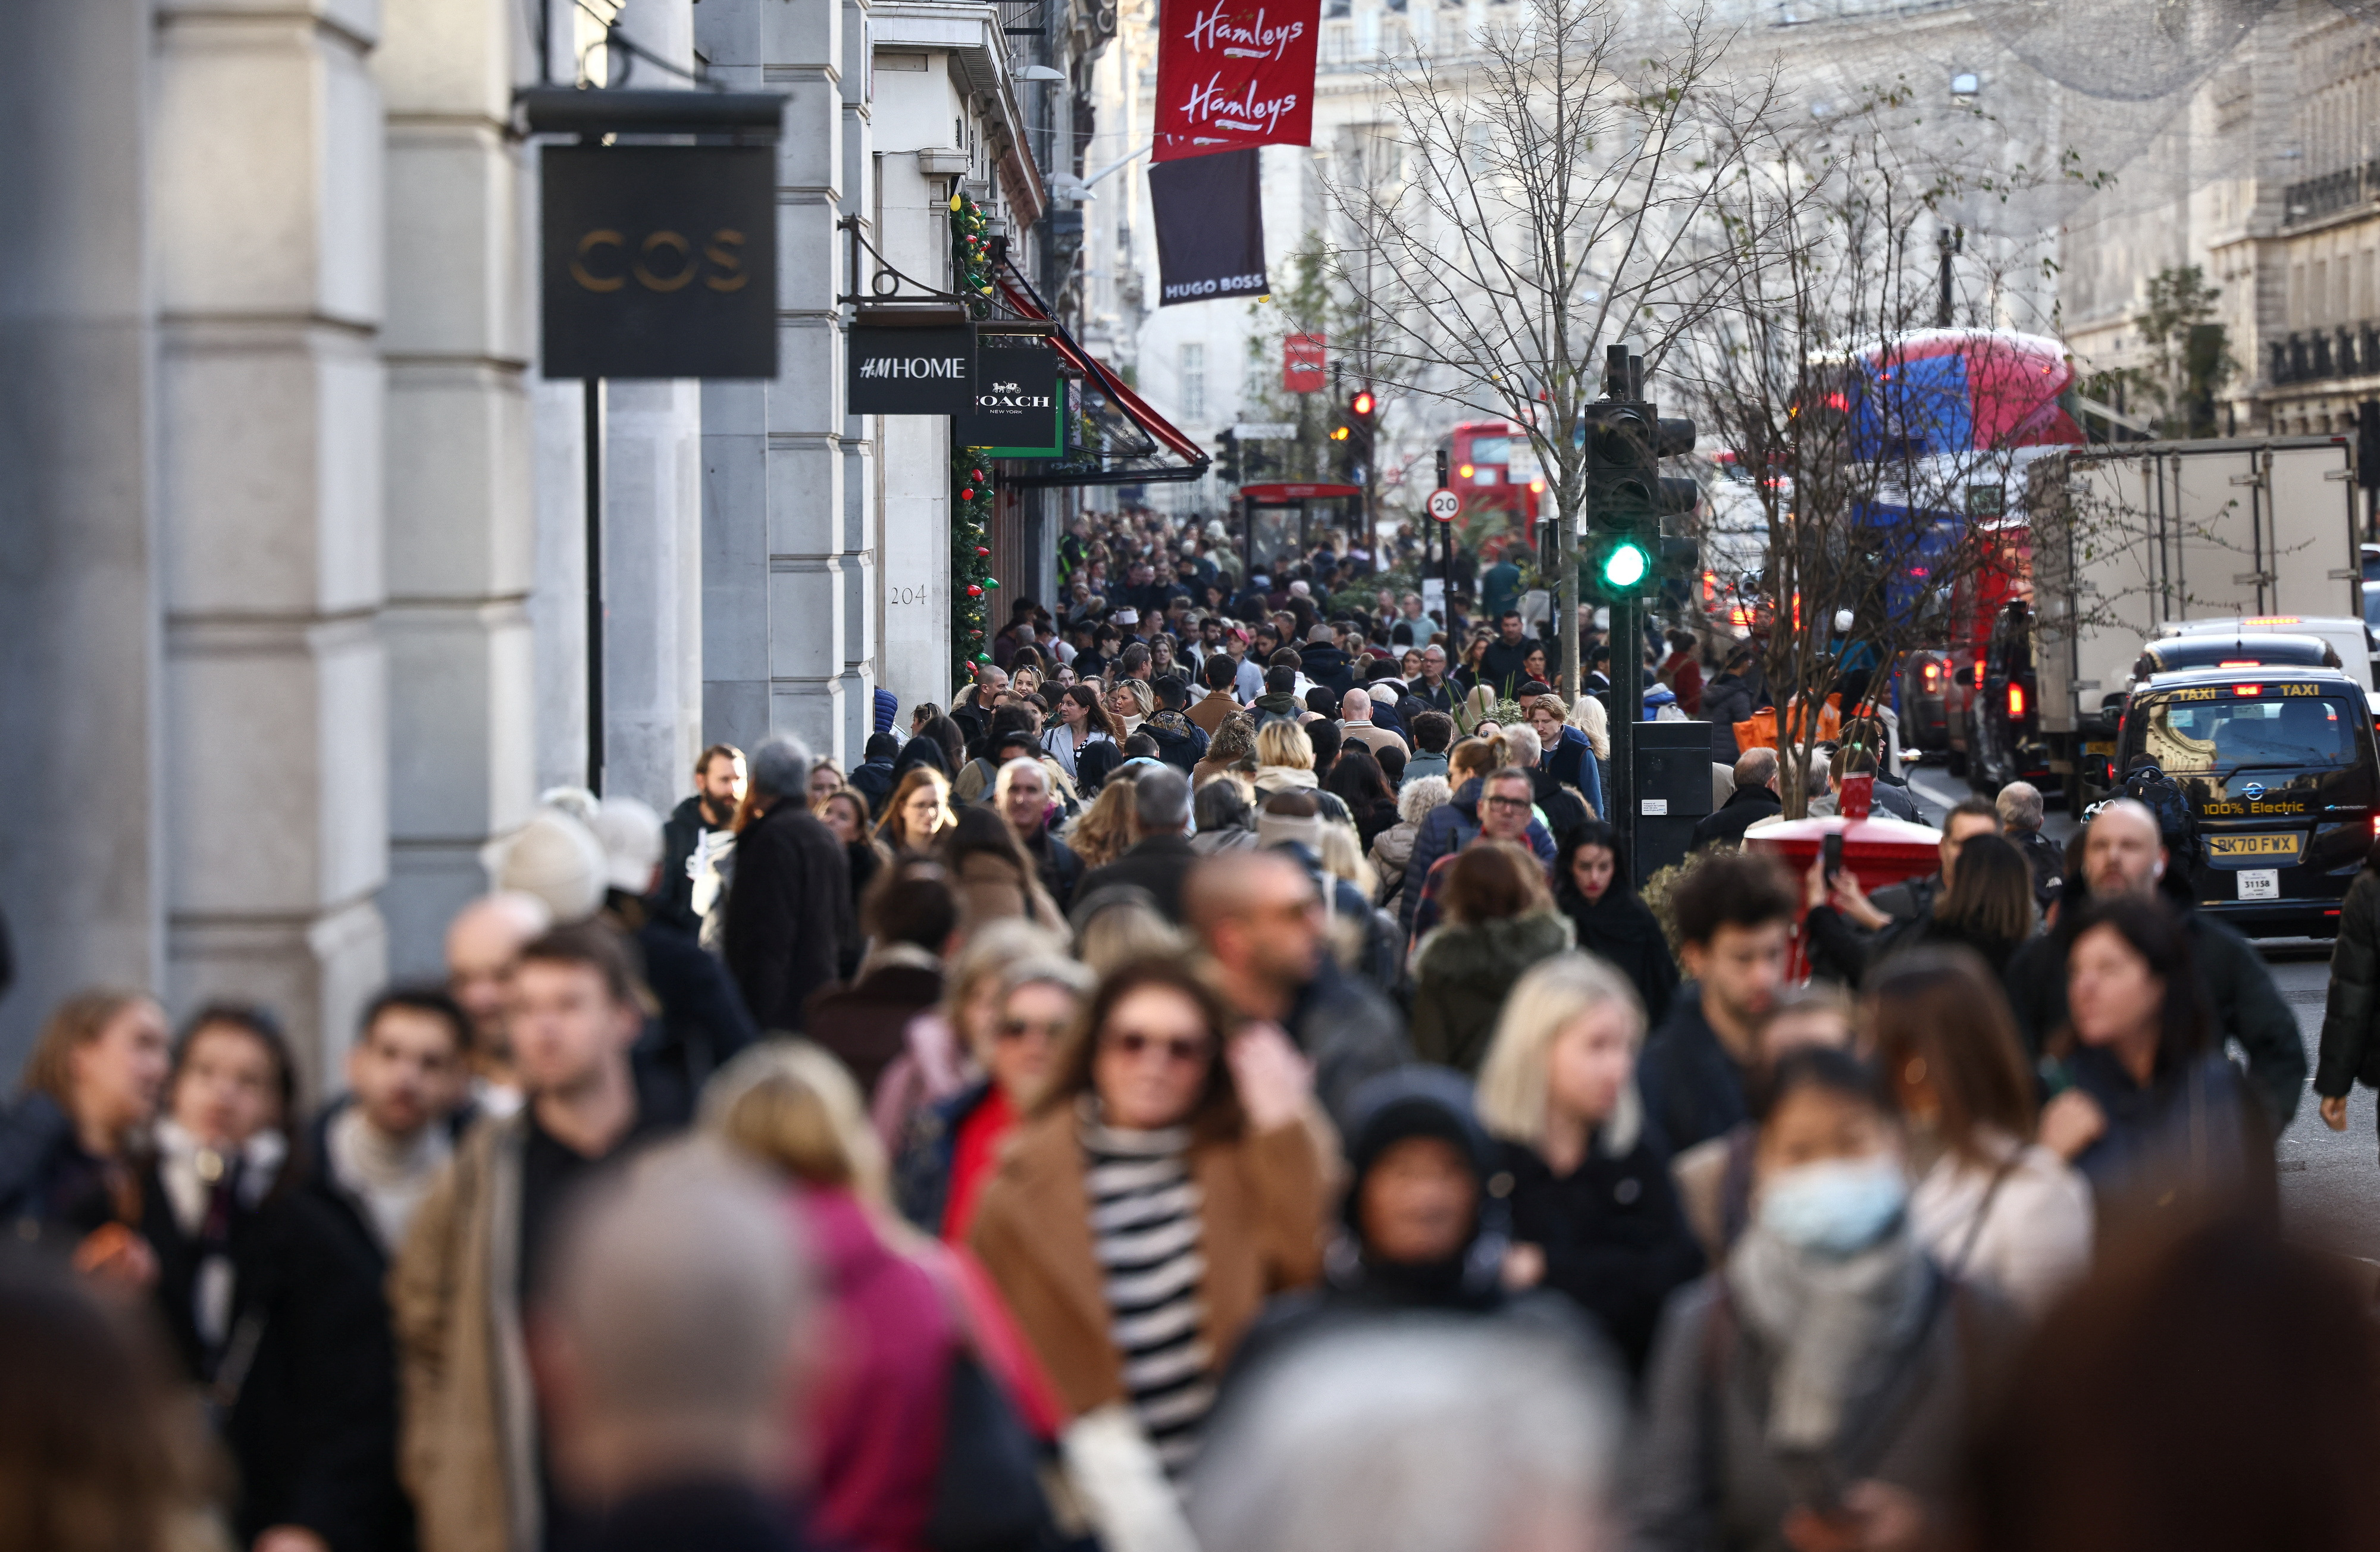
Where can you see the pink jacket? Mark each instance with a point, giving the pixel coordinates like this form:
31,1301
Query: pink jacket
875,1418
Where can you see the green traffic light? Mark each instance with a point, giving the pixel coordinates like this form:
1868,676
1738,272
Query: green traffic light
1625,565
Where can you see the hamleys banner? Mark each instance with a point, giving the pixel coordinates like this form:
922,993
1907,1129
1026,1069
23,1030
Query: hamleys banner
1233,74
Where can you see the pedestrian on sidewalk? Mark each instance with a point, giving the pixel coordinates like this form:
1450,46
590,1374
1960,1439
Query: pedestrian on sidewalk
789,927
1817,1390
1167,1182
1595,1216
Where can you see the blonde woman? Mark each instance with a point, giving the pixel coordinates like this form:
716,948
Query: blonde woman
953,1145
1341,856
1130,703
1591,717
1105,830
941,1042
1594,1215
1122,924
1284,760
904,1309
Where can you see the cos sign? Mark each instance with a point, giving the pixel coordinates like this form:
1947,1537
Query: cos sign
660,261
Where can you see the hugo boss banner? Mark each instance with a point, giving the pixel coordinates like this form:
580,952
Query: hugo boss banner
924,366
1210,216
1234,73
659,260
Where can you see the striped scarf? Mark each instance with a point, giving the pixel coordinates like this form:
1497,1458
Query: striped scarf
1145,1231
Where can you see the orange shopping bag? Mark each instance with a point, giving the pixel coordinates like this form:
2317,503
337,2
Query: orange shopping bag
1760,729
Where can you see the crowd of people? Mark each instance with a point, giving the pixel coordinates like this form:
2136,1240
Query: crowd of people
1216,1084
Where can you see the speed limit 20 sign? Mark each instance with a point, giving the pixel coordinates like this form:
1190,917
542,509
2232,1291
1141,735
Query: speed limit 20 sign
1445,506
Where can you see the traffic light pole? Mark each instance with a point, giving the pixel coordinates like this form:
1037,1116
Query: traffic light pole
1625,702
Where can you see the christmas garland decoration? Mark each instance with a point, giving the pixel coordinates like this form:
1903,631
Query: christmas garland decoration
972,583
971,254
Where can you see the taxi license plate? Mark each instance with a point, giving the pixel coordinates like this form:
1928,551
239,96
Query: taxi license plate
2100,747
2280,846
2260,883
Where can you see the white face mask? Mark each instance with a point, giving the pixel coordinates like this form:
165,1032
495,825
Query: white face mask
1836,1207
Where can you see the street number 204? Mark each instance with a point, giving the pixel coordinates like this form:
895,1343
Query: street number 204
665,262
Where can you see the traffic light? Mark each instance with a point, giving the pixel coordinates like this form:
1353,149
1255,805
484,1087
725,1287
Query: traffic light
1622,564
1355,435
1627,496
1227,461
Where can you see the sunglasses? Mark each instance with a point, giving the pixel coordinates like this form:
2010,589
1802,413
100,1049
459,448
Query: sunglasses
1016,1029
1182,1049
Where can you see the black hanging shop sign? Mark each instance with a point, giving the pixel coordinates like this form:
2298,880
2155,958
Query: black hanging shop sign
659,260
1018,411
913,360
1208,212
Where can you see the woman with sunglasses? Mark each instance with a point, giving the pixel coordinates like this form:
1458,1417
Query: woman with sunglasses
1165,1184
947,1158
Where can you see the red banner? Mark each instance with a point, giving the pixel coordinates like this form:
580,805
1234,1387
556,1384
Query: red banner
1301,363
1233,74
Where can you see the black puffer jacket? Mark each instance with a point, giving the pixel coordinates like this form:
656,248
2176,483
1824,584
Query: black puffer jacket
1615,1239
1622,929
789,917
2349,1052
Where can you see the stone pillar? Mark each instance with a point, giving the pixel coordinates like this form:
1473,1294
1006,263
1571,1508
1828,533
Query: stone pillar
652,589
81,843
652,527
557,603
455,345
914,505
788,478
267,202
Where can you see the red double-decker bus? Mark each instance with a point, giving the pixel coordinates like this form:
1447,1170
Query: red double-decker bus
1498,510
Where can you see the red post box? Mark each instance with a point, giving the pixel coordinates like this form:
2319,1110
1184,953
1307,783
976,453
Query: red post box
1876,851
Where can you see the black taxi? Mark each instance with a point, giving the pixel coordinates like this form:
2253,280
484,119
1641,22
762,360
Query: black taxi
2280,767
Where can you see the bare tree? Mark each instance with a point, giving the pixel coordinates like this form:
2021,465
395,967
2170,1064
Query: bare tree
1527,201
1876,459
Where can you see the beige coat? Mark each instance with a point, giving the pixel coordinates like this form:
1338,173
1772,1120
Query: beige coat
468,1453
1262,1209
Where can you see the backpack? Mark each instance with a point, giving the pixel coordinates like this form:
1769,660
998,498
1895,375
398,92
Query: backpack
2162,796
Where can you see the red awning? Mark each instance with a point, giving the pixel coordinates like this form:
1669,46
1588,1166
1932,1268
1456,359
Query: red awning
1110,384
1268,495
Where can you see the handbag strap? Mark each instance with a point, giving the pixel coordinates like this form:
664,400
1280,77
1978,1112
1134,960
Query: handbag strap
1957,1270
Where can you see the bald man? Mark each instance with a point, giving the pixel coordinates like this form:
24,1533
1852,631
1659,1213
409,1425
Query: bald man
483,943
1355,724
1259,916
2124,854
671,1337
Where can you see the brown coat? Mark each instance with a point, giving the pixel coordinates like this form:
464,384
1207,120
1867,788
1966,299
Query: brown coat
1262,1211
467,1451
1213,712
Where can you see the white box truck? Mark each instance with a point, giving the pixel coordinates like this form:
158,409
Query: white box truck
2128,540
